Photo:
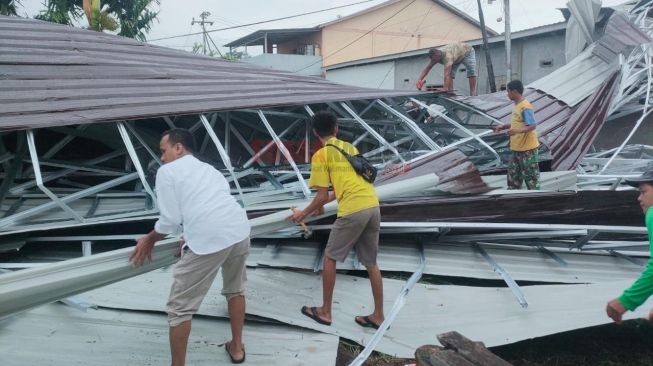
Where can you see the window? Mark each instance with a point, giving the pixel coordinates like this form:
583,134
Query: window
546,63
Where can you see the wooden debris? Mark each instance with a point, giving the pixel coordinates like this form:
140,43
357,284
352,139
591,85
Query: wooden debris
457,351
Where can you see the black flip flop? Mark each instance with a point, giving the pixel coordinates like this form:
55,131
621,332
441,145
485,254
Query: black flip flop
367,323
233,360
312,313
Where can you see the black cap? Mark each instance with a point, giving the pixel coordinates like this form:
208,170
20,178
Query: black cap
647,177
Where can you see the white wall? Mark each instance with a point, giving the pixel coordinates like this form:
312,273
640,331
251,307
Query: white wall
299,64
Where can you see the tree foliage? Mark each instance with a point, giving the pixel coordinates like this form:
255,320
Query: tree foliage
133,17
9,7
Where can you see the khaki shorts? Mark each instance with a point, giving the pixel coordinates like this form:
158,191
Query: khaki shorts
194,274
359,230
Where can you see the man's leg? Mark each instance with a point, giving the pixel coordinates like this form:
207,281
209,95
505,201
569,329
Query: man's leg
531,169
234,279
367,250
178,343
514,174
472,85
344,235
192,278
328,284
236,306
376,280
470,63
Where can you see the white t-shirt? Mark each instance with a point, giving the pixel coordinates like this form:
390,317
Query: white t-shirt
194,194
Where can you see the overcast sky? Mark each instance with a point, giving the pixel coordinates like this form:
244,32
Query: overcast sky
175,16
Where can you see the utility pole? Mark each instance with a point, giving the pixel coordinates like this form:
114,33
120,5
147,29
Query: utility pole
488,59
205,36
506,9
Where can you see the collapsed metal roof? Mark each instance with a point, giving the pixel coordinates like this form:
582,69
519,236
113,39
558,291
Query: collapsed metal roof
56,75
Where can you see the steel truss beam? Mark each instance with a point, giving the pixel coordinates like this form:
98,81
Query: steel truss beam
514,287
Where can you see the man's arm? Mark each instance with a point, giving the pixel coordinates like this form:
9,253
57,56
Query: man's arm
502,127
448,81
420,79
640,290
529,120
169,220
321,198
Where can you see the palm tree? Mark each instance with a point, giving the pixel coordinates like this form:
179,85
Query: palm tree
98,19
135,16
8,7
61,11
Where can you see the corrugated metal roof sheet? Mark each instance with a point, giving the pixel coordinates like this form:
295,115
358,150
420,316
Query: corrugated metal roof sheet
499,321
58,335
55,75
559,126
456,172
620,33
577,79
461,260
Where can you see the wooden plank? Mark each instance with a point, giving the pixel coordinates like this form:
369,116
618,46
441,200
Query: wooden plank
437,356
475,352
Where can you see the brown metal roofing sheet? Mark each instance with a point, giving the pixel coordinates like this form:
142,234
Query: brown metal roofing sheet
568,132
575,138
576,208
54,75
456,172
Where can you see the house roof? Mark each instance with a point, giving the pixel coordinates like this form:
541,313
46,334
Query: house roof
55,75
280,35
273,35
442,3
531,32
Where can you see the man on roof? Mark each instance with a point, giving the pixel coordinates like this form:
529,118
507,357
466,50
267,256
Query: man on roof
642,288
451,56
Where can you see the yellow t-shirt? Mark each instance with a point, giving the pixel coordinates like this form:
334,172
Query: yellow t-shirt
454,52
330,168
522,141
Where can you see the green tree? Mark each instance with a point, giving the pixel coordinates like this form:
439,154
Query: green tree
98,19
61,11
134,17
235,56
8,7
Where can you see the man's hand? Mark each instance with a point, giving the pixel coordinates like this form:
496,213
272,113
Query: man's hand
500,128
181,246
143,251
318,212
616,310
420,84
297,216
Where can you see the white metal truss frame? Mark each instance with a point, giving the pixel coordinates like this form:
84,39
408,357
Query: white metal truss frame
636,84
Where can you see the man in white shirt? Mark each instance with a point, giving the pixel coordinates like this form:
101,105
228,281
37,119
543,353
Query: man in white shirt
216,232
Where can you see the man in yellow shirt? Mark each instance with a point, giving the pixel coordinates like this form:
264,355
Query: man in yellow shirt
358,220
451,56
523,165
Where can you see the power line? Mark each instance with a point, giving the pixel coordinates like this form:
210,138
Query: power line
264,21
406,45
356,40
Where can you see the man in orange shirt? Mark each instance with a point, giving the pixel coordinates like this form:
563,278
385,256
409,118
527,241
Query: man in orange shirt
358,223
523,165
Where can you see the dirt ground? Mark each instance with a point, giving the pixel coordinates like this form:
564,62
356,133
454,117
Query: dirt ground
629,344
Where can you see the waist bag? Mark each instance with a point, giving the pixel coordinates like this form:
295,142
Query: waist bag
360,165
